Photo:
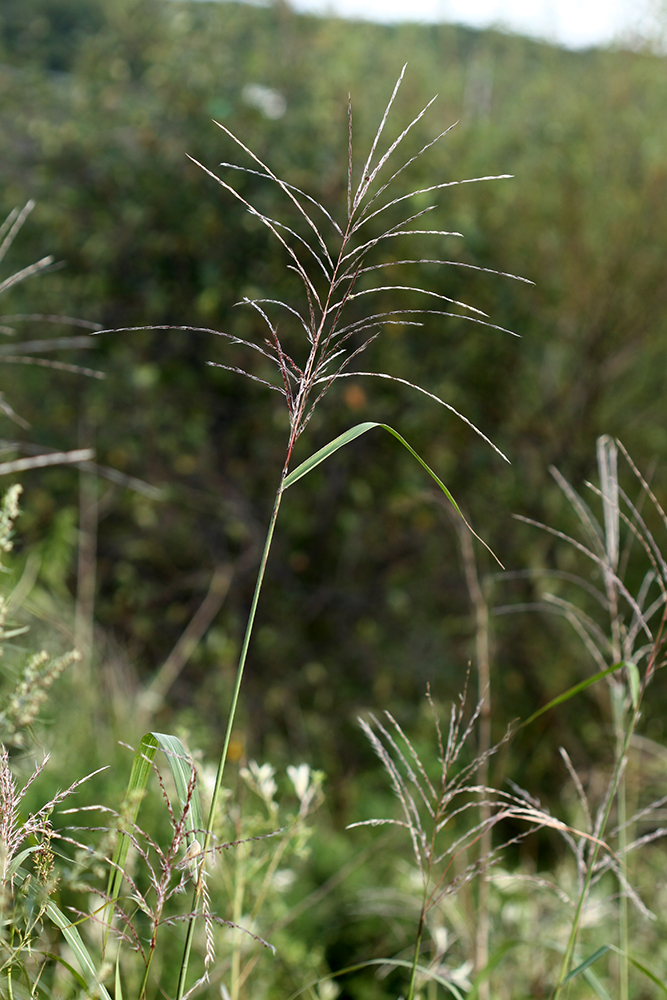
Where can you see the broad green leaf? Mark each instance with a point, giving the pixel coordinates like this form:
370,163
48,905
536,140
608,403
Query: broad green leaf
587,963
79,949
327,450
179,764
351,435
570,693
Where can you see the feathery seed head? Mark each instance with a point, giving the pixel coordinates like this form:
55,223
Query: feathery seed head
332,258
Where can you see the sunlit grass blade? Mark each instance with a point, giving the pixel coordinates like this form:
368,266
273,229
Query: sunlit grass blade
329,449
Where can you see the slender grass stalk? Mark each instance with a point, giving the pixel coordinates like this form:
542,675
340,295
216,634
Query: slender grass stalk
574,931
483,658
85,577
418,942
228,734
619,695
237,914
612,793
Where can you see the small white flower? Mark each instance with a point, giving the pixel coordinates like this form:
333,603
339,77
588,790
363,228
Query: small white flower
300,778
260,778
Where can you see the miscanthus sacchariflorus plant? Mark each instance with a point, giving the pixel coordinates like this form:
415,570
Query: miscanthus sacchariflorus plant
627,650
338,262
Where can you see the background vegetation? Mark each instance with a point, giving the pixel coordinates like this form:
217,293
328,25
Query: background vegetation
99,104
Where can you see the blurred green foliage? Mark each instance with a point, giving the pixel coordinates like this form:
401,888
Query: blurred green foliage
365,600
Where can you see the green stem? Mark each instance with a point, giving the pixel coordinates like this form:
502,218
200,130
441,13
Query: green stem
237,913
144,981
619,693
569,950
228,734
415,960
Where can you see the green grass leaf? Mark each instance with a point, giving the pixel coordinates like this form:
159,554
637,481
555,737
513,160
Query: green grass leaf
329,449
351,435
19,859
587,963
78,978
570,693
642,968
647,972
119,986
79,949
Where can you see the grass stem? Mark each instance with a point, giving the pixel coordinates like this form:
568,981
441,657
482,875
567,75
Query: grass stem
574,932
228,734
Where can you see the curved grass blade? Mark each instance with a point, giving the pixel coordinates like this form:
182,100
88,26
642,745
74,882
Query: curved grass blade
351,435
398,962
76,976
79,949
641,968
570,693
647,972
